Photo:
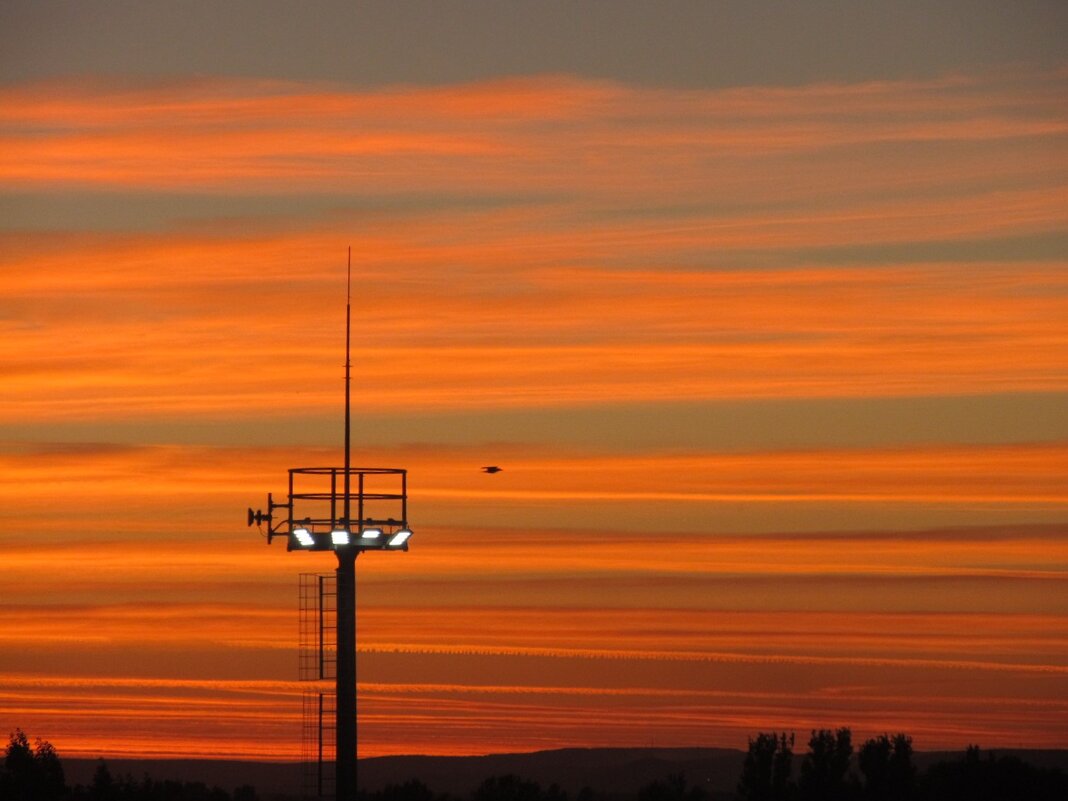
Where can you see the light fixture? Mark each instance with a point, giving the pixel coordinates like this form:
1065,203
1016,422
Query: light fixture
401,537
371,533
339,536
304,537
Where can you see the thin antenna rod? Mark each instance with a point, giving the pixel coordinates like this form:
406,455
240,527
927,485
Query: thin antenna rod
348,386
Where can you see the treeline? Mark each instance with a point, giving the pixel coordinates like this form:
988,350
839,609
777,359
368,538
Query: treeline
36,774
885,771
882,769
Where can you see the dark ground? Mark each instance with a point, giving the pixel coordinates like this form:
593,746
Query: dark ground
609,770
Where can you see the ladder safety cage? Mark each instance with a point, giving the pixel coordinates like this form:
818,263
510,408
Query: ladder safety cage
317,649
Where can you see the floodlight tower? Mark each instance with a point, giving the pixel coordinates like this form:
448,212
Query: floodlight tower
319,517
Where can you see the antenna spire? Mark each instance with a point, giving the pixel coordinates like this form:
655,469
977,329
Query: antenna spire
348,387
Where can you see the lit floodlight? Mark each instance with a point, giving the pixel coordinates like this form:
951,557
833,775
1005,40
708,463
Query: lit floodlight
339,536
370,533
304,537
400,538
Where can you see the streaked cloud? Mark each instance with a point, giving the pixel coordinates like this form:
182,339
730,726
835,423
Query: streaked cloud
546,132
120,342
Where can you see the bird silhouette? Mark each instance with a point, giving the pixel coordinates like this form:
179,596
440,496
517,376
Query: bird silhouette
492,469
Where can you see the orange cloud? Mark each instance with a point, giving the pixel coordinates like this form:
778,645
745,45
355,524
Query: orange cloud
598,667
707,683
116,487
123,330
546,132
606,256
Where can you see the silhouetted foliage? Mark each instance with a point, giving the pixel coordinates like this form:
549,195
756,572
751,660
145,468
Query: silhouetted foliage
992,779
766,772
31,774
673,789
103,786
825,768
36,774
890,775
413,790
106,787
886,763
513,788
126,788
17,778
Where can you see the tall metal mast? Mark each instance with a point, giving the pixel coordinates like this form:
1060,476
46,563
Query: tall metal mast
314,522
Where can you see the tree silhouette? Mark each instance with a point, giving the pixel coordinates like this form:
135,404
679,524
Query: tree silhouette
886,763
509,788
825,766
411,790
103,786
31,775
766,772
18,767
992,779
673,789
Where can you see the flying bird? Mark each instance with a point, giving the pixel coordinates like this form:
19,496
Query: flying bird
492,469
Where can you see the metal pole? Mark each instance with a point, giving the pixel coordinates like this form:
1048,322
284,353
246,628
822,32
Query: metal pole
345,748
345,756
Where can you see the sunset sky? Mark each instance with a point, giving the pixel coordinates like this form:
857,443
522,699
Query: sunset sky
761,307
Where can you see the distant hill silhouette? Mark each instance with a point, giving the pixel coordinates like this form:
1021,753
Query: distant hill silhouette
615,771
612,770
272,780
